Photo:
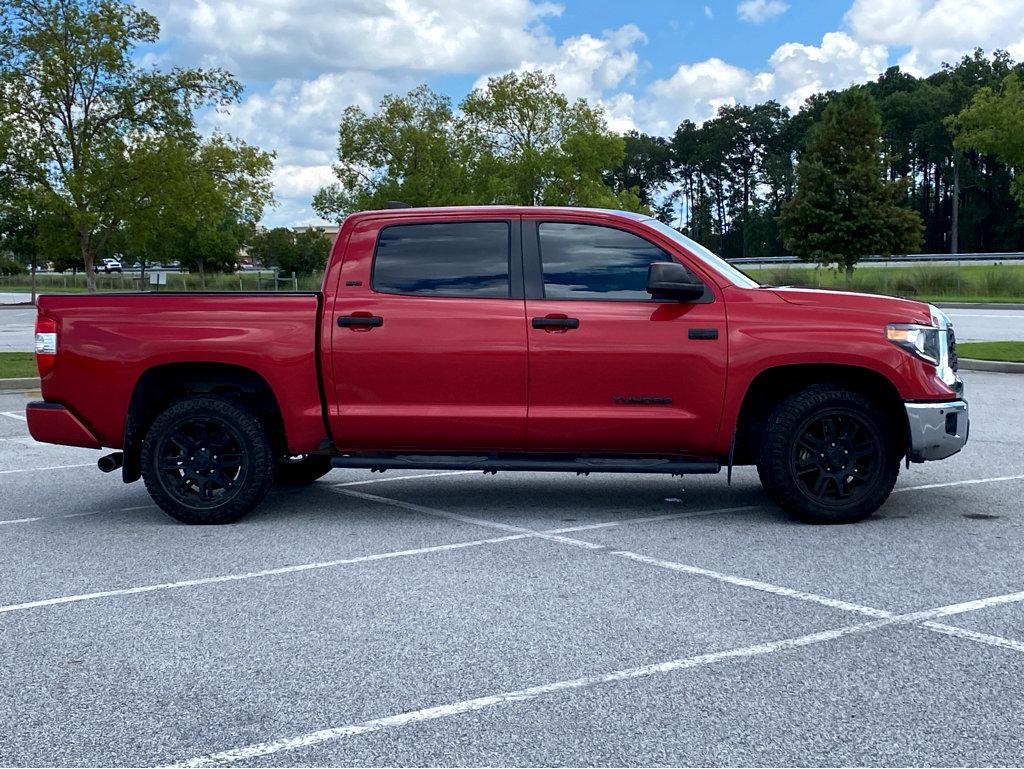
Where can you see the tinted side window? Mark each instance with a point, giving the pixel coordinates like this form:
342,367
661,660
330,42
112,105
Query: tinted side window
449,259
585,261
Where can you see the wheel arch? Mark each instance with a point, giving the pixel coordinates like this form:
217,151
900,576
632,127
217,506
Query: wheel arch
771,386
163,385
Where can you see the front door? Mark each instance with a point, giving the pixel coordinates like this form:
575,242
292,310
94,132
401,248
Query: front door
428,343
613,369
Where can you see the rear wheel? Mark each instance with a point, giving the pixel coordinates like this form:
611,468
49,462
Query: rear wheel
828,456
302,470
207,460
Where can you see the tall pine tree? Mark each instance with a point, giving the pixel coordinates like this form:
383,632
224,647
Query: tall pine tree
844,208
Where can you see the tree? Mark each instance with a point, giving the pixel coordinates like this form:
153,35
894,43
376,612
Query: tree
991,124
517,141
645,169
844,207
531,146
408,150
312,248
214,195
82,120
303,253
19,237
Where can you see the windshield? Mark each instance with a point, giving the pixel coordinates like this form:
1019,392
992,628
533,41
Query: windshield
714,261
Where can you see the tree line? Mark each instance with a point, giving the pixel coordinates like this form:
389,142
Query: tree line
101,155
894,165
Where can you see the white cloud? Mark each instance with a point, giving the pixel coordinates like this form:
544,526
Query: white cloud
267,39
299,119
586,66
696,91
801,70
760,11
304,61
938,30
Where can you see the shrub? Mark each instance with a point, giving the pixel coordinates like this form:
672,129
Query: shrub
10,266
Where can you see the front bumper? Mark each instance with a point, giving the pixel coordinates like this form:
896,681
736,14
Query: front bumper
936,430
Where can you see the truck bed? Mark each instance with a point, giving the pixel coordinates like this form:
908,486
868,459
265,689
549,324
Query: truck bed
108,341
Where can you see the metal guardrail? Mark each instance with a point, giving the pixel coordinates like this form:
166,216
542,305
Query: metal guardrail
1008,256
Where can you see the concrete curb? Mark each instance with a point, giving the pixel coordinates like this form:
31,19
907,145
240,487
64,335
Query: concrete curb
19,306
26,383
1003,367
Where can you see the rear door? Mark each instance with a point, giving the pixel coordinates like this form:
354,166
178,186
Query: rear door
611,368
428,343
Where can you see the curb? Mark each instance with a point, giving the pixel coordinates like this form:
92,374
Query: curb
25,383
1003,367
981,305
16,306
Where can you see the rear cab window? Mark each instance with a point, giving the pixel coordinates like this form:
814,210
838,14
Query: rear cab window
444,259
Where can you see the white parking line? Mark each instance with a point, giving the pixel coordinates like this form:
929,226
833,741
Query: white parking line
469,519
514,536
766,587
970,482
14,415
252,574
43,469
405,478
250,752
19,520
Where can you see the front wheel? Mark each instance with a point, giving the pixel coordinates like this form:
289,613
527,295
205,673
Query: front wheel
207,460
828,456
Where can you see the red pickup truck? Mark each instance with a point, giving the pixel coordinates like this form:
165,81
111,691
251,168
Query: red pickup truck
503,338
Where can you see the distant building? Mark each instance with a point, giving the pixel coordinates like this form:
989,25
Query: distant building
330,230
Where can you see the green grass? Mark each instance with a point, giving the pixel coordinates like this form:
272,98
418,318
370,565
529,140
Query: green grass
17,364
1001,351
176,281
935,283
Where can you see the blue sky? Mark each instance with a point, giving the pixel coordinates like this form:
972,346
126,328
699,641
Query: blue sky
649,65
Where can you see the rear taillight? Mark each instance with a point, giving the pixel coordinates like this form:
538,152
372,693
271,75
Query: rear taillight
46,344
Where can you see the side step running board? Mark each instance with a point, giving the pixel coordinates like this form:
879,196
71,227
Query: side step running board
534,463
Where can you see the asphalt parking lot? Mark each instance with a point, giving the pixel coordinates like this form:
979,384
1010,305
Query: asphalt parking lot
531,619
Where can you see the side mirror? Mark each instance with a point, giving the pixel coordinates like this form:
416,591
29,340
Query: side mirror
673,280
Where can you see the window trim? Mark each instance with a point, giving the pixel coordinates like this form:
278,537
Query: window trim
515,257
533,265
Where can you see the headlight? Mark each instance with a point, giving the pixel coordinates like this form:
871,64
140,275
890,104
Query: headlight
922,341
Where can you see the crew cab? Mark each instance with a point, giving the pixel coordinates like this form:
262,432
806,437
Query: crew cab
503,338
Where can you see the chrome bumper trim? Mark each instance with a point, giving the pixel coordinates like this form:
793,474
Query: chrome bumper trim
936,430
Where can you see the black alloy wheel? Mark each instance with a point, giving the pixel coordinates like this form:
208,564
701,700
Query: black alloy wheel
835,457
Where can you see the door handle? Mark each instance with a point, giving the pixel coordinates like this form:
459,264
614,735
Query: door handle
556,323
365,321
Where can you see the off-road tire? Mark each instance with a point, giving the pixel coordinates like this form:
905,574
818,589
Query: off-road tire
228,424
791,466
302,472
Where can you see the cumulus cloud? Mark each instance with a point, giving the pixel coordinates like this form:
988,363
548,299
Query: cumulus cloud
937,31
269,39
305,60
299,119
760,11
795,71
694,91
800,70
